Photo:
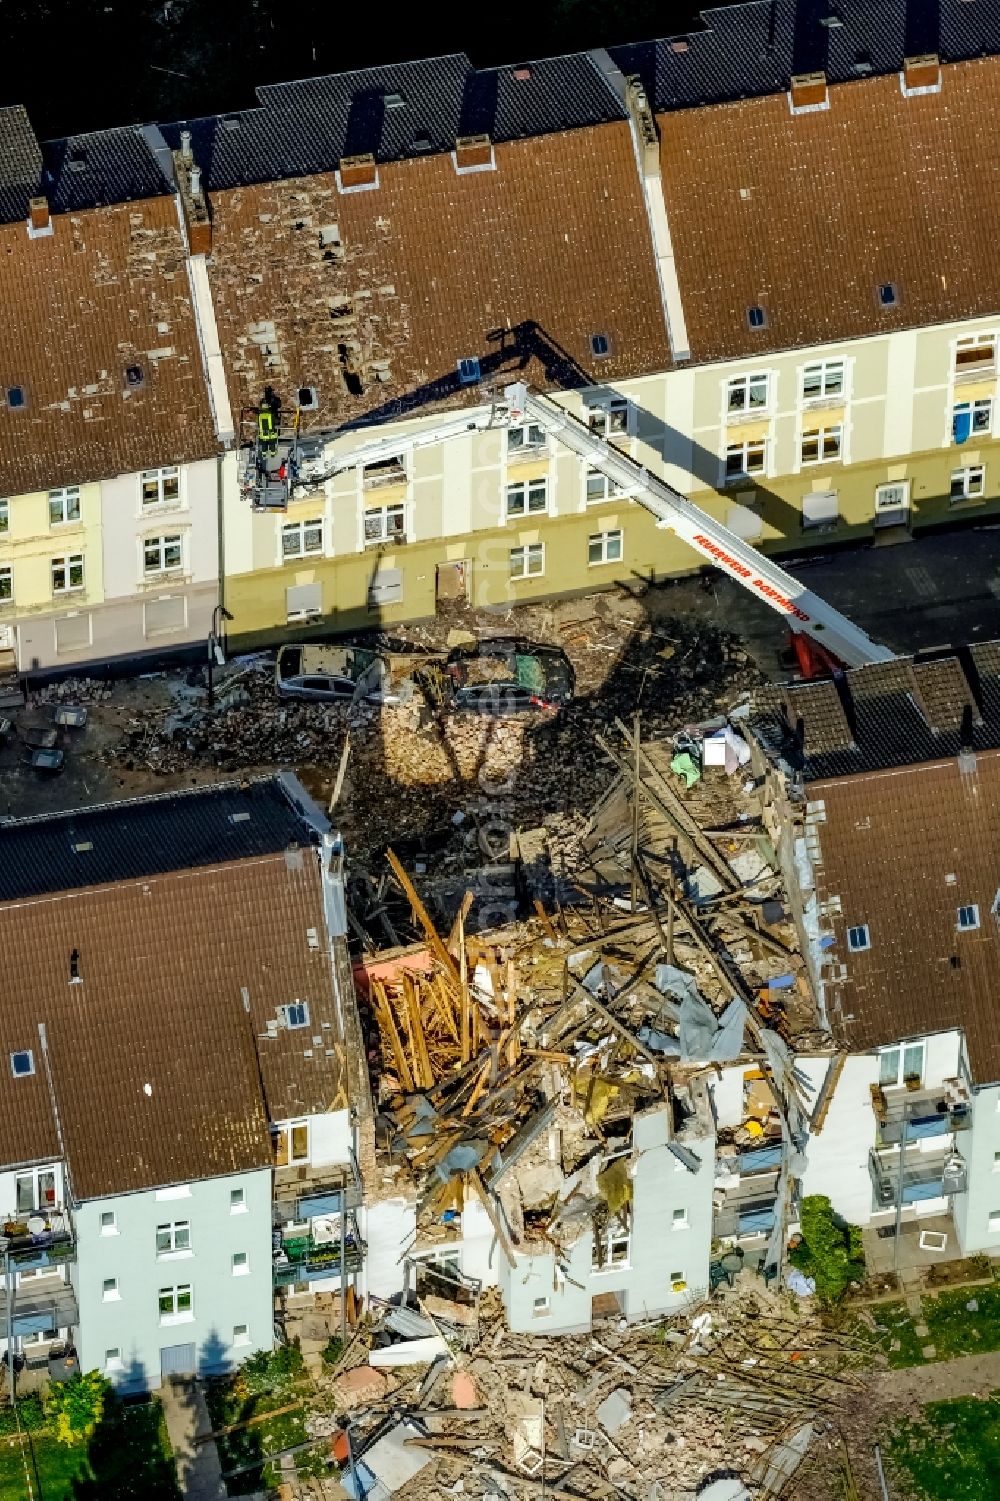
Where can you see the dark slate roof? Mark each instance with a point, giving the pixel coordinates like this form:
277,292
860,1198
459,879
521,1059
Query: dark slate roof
20,163
106,166
744,51
153,836
900,713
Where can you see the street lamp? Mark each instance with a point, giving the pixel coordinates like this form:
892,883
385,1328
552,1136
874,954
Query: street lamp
216,648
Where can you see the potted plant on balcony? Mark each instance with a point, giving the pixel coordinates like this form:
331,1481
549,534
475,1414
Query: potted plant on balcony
912,1081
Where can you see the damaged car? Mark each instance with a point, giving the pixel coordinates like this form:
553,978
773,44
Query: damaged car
340,674
507,675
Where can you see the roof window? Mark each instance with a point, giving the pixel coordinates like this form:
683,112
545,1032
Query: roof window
522,73
134,377
297,1014
468,371
308,399
15,397
756,316
679,44
420,143
394,101
77,161
888,296
600,346
22,1063
230,122
968,917
859,938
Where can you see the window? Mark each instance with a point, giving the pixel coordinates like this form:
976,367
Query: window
859,938
237,1201
297,1014
976,356
291,1143
161,487
820,510
609,418
67,573
530,498
678,1282
176,1304
968,483
22,1063
241,1263
968,917
64,506
109,1222
679,1219
6,584
241,1334
894,497
994,1221
970,417
162,554
113,1359
385,472
301,538
611,1245
605,547
134,377
527,562
600,346
35,1190
756,317
109,1290
4,515
820,443
599,487
540,1307
996,1162
173,1237
747,393
385,524
743,459
896,1065
525,435
823,380
468,372
888,295
15,397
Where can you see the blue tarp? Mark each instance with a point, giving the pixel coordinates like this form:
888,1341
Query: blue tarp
315,1204
927,1125
756,1219
961,426
914,1192
760,1159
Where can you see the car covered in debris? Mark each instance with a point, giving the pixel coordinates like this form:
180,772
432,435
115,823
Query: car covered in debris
340,674
505,675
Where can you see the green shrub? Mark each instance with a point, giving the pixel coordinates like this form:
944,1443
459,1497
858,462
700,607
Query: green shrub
29,1411
332,1350
830,1249
77,1406
270,1371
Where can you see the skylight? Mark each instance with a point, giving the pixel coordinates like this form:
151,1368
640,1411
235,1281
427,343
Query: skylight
887,294
600,346
15,397
22,1063
756,317
468,371
859,938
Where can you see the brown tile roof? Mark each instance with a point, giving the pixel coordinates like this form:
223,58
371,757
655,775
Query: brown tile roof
554,244
808,215
890,843
106,290
168,965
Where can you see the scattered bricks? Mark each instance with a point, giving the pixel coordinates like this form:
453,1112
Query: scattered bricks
463,1390
360,1387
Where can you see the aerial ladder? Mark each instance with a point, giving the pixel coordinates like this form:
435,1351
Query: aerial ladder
294,465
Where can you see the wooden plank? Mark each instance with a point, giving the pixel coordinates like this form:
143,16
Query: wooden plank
545,920
425,1071
420,912
463,980
387,1022
443,1002
491,1214
454,937
613,1021
480,1089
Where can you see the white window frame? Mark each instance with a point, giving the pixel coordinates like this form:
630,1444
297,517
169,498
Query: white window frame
64,566
238,1201
176,1315
612,417
902,485
159,481
287,1129
390,471
525,442
605,541
617,1243
522,493
4,517
305,533
110,1291
240,1263
111,1227
980,407
241,1335
522,558
739,392
972,478
176,1238
902,1056
296,1014
22,1073
864,943
113,1359
596,478
831,376
751,455
64,499
163,545
970,926
541,1307
382,535
993,1222
679,1220
6,583
36,1174
974,369
823,435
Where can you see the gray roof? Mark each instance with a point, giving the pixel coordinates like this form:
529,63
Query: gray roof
147,836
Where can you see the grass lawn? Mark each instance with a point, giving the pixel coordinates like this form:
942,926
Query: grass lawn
953,1328
894,1325
952,1453
228,1403
128,1457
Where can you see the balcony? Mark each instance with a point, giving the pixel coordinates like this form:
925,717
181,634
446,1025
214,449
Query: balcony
302,1259
42,1303
302,1194
913,1115
919,1176
749,1206
38,1239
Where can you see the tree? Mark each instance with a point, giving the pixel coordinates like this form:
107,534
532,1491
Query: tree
77,1406
830,1249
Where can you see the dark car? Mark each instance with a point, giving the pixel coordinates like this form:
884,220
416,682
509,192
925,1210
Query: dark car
505,676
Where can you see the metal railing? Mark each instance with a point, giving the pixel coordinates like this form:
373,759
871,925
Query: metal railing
916,1178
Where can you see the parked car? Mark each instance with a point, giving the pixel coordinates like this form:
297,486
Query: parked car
507,675
339,674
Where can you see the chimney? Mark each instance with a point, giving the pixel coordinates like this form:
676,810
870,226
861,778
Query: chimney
194,202
807,92
358,172
638,107
472,152
39,218
186,145
921,75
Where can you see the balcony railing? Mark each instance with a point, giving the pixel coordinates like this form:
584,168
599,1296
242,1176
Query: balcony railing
51,1248
920,1176
37,1306
312,1194
914,1115
309,1261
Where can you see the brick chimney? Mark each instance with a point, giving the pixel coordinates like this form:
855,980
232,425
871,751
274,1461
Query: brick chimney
921,75
473,151
194,200
808,92
39,218
358,171
645,124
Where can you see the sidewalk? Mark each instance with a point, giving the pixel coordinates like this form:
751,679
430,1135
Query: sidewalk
939,1380
199,1472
